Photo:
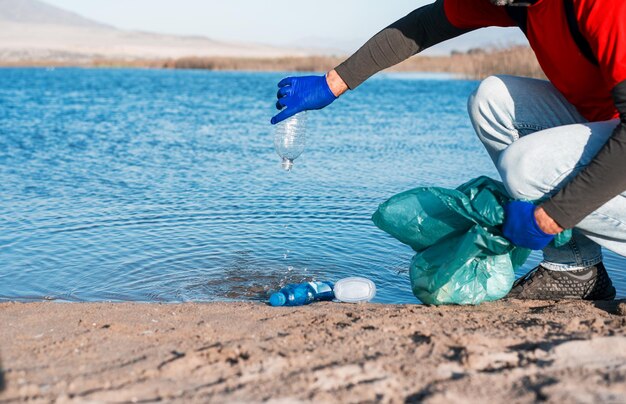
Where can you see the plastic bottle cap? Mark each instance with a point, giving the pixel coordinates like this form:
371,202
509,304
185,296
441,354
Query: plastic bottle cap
277,299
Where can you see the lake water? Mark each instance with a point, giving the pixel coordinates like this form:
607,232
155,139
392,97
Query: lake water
163,186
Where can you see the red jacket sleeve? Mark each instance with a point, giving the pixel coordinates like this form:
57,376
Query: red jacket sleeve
603,23
473,14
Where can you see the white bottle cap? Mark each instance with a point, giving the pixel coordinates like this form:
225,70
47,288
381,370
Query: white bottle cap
354,290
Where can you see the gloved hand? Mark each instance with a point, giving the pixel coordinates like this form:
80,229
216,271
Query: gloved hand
521,228
297,94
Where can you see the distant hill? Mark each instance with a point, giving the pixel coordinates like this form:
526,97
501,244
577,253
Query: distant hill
31,30
37,12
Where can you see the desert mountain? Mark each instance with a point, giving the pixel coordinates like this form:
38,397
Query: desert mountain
37,12
31,30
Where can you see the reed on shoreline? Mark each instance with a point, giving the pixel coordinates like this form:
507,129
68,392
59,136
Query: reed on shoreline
475,64
478,64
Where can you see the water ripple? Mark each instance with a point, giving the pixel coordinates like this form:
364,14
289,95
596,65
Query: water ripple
142,185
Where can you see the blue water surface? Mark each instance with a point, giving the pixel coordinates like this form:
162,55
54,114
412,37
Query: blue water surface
163,186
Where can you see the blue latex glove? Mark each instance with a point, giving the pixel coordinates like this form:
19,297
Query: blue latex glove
297,94
521,228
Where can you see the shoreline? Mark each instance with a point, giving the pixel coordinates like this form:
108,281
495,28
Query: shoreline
474,64
519,351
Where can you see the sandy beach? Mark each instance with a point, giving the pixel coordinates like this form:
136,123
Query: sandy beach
247,352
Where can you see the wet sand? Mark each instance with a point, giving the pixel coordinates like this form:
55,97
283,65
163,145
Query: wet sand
245,352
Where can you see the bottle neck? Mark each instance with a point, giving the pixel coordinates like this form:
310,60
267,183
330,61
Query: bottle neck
287,164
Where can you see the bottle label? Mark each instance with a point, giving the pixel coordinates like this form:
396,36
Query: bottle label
322,290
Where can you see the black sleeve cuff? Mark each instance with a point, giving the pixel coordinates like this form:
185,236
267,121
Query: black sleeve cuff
351,80
560,217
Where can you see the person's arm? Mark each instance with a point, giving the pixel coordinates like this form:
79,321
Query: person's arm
424,27
421,29
602,180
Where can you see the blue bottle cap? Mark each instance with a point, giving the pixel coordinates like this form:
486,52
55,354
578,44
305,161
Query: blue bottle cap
278,299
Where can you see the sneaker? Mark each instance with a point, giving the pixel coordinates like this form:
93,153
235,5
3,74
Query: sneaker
591,283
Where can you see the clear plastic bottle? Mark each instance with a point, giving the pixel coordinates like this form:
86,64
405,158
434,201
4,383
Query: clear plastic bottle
302,294
354,290
290,139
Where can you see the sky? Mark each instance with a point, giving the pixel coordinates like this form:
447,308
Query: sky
266,21
329,24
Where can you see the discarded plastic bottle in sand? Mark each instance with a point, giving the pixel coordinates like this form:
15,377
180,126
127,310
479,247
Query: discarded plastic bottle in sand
302,294
290,139
354,290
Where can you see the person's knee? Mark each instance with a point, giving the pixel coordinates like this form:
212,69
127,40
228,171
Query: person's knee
522,172
491,92
489,108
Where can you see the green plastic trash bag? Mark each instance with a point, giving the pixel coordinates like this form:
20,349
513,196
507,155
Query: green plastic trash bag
462,257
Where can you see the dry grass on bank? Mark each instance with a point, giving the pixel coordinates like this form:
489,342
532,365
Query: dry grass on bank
298,64
475,64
